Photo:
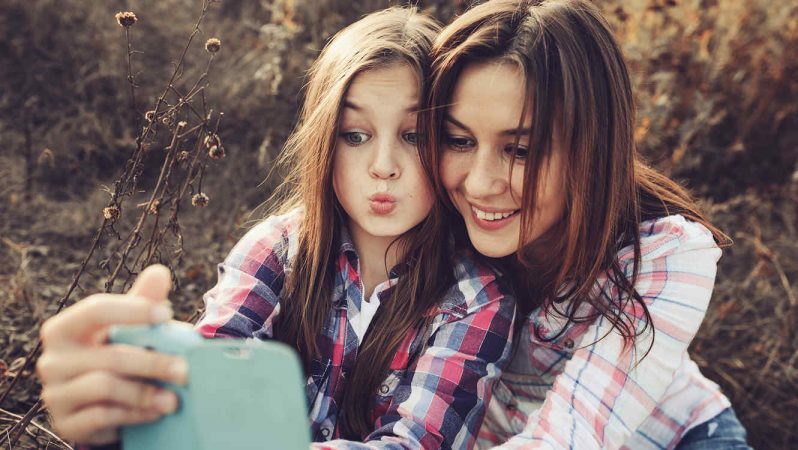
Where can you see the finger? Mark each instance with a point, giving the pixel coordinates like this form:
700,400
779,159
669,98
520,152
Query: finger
122,360
102,387
104,437
98,424
153,283
77,324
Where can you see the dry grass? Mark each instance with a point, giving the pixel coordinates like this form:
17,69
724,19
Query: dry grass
716,94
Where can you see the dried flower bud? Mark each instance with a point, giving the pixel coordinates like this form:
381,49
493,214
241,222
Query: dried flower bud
213,45
46,157
111,212
212,140
182,124
216,152
199,200
182,156
149,116
126,19
153,209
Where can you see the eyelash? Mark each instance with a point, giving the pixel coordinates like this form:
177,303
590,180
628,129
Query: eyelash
346,136
520,151
460,143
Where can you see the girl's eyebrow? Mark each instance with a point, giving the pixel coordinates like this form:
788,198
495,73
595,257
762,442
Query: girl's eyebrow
456,122
507,132
412,108
351,105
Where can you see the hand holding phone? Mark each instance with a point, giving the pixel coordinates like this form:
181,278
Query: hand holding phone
242,394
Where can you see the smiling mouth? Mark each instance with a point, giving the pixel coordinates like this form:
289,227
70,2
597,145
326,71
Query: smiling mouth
493,216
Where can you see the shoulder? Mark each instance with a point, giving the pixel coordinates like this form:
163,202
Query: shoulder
671,237
478,283
677,268
274,238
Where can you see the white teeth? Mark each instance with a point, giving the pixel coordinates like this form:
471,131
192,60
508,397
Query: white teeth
490,216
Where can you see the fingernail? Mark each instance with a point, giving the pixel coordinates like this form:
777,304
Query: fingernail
165,401
178,370
162,313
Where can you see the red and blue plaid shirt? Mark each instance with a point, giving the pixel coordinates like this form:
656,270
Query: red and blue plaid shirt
441,378
578,387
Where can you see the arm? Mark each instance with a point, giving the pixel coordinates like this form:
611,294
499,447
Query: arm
246,298
441,400
605,392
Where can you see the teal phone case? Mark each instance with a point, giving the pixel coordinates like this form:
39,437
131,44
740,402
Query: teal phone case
240,395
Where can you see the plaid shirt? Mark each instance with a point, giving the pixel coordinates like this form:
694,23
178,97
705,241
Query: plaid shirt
582,390
440,380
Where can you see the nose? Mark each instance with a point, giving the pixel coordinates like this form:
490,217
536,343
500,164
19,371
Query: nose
488,175
385,164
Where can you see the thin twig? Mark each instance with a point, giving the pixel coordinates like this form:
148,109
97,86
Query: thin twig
130,78
39,426
17,430
135,235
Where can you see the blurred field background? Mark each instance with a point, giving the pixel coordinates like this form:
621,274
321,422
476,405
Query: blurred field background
716,85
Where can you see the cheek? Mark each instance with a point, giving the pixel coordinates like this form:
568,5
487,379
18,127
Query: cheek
419,183
554,192
453,169
339,178
517,184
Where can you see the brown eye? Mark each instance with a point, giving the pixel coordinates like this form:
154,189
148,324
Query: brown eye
459,142
411,138
517,152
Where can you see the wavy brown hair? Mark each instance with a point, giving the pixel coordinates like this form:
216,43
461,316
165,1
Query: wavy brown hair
391,36
578,85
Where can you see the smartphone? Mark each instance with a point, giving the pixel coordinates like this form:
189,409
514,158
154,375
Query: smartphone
241,394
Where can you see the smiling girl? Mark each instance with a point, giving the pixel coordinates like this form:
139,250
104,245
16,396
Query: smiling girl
402,338
530,117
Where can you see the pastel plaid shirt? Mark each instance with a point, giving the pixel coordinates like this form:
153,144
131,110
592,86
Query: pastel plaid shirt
440,380
581,390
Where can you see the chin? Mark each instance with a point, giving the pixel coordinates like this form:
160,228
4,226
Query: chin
492,249
385,228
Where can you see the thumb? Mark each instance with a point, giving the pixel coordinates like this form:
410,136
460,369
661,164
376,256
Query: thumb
153,283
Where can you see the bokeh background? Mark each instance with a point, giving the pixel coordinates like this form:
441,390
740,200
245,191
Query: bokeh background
716,85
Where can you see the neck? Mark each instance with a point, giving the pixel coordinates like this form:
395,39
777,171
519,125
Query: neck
374,261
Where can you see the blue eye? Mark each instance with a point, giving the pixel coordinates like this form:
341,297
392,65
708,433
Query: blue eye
458,142
355,138
411,138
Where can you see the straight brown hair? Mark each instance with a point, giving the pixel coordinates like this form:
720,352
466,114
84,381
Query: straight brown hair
579,86
391,36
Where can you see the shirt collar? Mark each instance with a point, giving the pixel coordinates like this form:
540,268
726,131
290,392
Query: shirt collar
346,249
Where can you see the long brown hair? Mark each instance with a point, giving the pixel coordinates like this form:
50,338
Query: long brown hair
391,36
579,87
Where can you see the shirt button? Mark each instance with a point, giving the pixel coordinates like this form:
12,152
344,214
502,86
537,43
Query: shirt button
384,389
569,343
325,432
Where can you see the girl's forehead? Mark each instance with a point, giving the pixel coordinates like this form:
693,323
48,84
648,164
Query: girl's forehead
385,76
490,93
395,84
